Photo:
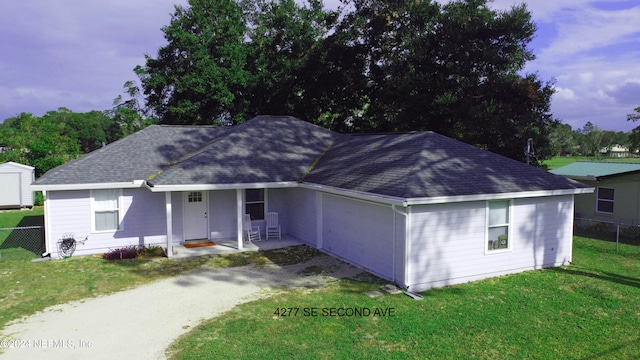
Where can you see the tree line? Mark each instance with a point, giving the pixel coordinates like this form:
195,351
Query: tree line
590,140
62,135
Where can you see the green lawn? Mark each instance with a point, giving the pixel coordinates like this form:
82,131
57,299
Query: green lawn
586,310
21,244
559,161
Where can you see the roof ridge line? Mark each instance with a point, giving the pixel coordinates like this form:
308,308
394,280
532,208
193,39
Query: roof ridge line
316,161
192,153
415,163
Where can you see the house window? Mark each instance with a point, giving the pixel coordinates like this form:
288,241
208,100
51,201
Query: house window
254,203
106,210
194,196
604,201
498,225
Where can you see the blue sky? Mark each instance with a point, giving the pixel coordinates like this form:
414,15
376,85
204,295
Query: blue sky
78,54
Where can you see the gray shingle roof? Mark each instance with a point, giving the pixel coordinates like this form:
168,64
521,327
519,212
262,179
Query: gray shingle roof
135,157
426,164
264,149
270,149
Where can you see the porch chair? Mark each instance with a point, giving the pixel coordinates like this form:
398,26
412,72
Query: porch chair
273,227
253,232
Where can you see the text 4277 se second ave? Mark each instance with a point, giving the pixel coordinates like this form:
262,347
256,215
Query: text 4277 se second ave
333,311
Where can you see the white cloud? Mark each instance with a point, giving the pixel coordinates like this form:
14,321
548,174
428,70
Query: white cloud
589,29
564,94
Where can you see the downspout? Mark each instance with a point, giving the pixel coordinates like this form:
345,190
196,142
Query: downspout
47,225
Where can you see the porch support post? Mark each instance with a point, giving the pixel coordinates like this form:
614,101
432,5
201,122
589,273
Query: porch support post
167,201
239,216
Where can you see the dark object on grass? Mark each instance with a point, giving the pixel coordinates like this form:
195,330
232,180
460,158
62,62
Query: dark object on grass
121,253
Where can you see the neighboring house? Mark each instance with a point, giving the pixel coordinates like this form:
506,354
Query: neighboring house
15,185
617,151
419,209
617,194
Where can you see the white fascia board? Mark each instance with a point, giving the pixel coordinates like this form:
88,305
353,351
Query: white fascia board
96,186
391,200
15,164
502,196
442,199
205,187
582,178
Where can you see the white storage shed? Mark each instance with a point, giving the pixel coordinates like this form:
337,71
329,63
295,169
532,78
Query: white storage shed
15,185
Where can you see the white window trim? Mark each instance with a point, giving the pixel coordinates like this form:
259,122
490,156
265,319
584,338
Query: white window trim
597,193
509,230
244,200
93,215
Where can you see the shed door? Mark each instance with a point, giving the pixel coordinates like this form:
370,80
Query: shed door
10,189
195,215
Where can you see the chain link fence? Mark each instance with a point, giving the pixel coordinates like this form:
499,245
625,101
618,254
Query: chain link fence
26,242
608,231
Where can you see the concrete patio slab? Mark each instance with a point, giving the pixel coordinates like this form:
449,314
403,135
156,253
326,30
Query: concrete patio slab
231,246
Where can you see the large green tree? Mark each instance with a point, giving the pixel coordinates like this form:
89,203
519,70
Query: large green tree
200,76
453,69
283,37
373,66
634,136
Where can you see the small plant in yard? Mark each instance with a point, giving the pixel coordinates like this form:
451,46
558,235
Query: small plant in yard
133,252
130,252
152,251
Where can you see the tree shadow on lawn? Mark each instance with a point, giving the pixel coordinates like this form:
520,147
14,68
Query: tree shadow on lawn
302,261
615,350
31,240
607,276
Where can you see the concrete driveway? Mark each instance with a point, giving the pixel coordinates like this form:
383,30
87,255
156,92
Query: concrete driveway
141,323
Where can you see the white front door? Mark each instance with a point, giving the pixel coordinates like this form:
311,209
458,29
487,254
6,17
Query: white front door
195,215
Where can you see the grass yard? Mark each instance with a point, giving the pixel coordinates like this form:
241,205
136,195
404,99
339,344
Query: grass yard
21,244
588,310
559,161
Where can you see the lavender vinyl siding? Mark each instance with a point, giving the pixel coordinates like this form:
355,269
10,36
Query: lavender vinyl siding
447,241
360,232
142,221
301,216
222,214
69,212
278,201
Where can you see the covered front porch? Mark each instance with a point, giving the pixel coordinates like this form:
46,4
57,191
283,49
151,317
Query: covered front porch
218,214
230,246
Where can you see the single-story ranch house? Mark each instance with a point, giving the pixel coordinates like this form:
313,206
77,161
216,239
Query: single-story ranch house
419,209
617,195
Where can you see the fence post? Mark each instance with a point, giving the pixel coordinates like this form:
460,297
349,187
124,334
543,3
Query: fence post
617,236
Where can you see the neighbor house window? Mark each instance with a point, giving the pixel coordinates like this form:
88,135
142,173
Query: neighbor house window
254,203
498,225
604,201
106,210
